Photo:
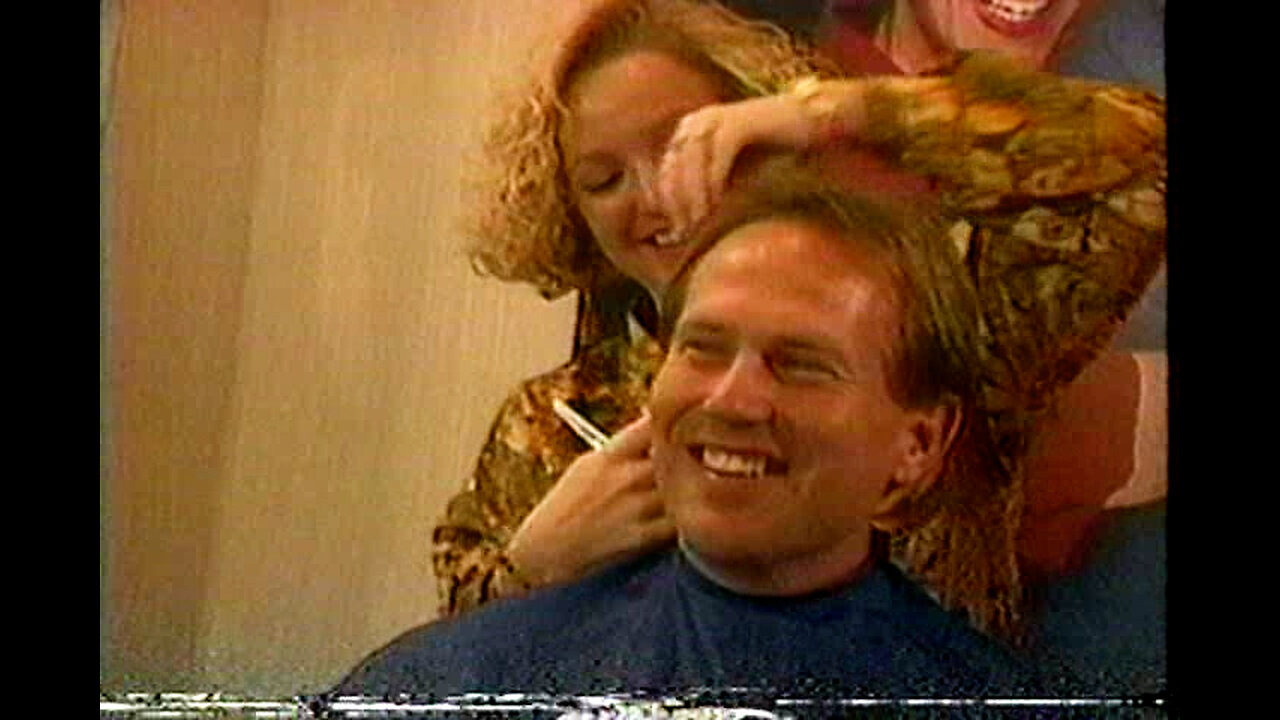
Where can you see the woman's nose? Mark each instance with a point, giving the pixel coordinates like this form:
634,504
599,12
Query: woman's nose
647,178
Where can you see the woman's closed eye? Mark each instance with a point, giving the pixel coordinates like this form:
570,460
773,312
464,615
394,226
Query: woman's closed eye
598,181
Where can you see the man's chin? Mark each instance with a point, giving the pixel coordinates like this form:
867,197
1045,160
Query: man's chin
725,543
726,564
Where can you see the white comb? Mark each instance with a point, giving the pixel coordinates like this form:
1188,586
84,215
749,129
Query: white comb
582,427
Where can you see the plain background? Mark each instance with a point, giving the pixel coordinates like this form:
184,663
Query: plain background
298,365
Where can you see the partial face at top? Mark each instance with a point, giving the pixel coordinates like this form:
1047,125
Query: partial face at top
1026,29
621,115
776,435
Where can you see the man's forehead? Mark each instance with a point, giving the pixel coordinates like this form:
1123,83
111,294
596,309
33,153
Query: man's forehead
787,260
789,248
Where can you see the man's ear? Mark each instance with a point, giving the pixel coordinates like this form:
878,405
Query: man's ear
926,443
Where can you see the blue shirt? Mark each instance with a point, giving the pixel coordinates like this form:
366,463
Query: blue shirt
1101,631
657,625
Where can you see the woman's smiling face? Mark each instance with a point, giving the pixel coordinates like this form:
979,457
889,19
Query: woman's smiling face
621,115
1025,29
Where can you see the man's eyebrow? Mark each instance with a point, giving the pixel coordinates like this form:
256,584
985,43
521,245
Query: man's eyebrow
805,342
684,327
814,346
817,345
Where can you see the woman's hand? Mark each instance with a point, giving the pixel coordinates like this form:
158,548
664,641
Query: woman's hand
700,156
604,509
706,143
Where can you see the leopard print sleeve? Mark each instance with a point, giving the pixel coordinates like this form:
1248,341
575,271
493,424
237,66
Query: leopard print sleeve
526,452
513,472
1057,189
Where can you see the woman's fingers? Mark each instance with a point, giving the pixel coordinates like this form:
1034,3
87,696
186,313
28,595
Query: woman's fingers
658,531
701,154
696,169
685,168
742,124
634,439
650,506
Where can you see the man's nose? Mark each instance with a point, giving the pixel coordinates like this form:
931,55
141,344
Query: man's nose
743,392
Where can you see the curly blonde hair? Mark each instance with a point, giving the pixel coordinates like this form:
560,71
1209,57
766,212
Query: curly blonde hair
524,226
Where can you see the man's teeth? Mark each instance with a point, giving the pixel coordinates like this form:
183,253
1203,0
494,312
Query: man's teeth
723,461
1016,10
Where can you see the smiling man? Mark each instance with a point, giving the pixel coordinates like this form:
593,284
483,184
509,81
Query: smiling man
816,383
784,420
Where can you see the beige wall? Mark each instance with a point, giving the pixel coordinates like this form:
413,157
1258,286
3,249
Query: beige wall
302,366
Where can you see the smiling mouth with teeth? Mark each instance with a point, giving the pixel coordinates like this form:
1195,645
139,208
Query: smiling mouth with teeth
723,461
665,239
1016,11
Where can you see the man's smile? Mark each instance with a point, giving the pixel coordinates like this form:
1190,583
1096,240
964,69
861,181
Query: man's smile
729,462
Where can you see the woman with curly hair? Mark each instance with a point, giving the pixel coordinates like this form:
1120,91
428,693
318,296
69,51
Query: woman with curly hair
627,137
